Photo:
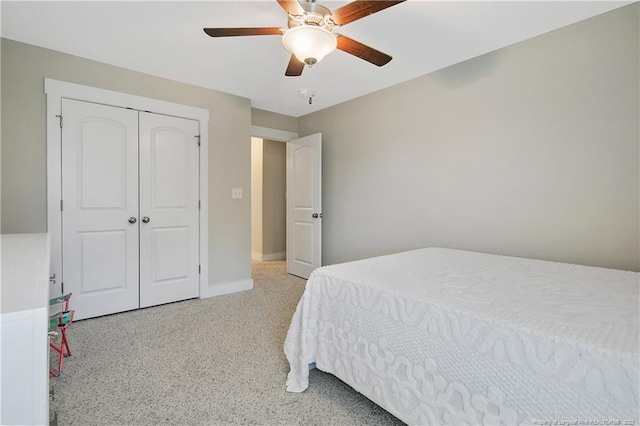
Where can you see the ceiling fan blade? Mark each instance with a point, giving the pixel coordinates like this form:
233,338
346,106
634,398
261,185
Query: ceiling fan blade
233,32
362,51
292,7
295,67
359,9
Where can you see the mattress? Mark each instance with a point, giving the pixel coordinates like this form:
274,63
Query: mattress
440,336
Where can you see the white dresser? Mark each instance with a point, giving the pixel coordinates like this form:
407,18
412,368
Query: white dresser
24,294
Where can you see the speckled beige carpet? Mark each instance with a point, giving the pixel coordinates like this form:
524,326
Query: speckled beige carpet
216,361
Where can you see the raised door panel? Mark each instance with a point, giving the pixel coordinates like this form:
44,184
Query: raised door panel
302,198
170,167
100,194
100,273
102,152
303,177
169,255
303,243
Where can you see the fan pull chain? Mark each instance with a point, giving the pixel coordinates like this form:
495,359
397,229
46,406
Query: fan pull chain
312,91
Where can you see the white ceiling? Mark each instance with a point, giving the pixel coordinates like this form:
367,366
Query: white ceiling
166,39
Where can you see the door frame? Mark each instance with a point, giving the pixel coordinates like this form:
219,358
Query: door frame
280,136
55,91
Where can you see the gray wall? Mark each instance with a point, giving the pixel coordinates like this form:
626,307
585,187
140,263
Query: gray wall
531,150
274,187
273,120
24,156
268,203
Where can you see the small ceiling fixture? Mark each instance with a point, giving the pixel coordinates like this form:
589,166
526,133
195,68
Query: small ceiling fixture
307,94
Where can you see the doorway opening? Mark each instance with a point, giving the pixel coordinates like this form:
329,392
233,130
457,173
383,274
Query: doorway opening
268,200
258,255
303,199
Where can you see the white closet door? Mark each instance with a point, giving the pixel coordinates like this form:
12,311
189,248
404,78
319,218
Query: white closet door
168,209
100,195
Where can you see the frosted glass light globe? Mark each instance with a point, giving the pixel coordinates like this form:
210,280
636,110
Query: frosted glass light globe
309,43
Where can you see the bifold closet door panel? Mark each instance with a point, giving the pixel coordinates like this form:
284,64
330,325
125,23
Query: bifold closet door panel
100,210
169,237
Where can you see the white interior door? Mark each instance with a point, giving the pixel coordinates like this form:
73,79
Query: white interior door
304,205
100,207
169,255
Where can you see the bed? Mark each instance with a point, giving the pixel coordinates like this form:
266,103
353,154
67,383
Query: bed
439,336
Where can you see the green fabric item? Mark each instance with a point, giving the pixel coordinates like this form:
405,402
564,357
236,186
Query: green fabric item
61,318
59,299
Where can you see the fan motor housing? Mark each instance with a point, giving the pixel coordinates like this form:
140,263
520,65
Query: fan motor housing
314,15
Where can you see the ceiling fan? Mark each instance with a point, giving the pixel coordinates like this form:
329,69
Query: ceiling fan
309,36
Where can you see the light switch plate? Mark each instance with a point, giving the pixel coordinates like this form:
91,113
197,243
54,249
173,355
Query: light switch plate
236,192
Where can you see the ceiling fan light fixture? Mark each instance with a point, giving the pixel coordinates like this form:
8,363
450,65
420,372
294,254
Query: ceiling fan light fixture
309,43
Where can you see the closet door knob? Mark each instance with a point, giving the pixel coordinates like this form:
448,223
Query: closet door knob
145,219
132,219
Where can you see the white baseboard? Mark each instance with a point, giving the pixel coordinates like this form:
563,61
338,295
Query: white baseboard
227,288
260,257
274,256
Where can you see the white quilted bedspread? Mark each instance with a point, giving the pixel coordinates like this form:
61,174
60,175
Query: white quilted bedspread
439,336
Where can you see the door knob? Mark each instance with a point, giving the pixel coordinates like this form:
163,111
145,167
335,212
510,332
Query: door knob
132,219
145,219
316,215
